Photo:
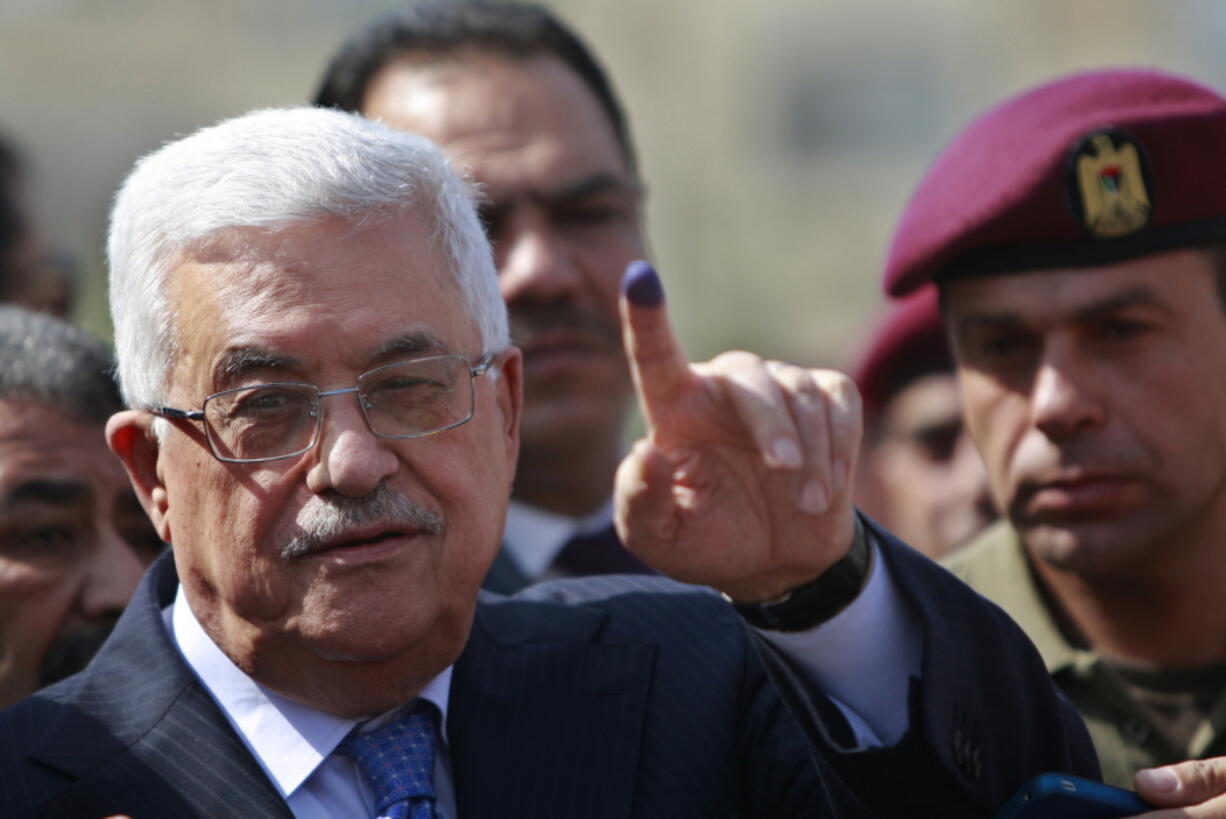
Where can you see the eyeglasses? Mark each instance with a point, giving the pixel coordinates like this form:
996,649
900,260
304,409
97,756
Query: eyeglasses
267,422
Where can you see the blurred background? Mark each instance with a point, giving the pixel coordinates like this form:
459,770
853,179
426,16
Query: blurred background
779,140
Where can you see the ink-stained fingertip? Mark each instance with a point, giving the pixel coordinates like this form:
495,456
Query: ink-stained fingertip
642,286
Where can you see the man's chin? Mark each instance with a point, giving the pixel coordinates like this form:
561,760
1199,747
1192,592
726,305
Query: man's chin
548,366
356,640
561,380
1089,549
73,650
584,417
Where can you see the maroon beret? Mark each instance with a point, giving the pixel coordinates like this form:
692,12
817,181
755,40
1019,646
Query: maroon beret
907,342
1091,169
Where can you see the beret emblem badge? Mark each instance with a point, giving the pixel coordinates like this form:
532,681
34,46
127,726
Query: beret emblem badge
1110,184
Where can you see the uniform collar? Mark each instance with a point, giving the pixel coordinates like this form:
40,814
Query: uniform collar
996,566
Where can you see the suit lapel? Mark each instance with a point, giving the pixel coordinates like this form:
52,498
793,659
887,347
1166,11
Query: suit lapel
541,720
142,737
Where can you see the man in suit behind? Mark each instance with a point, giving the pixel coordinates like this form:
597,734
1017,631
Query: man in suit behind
518,101
324,424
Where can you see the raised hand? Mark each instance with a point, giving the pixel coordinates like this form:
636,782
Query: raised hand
743,482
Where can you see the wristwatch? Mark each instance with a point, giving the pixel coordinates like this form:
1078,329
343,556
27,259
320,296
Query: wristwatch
819,600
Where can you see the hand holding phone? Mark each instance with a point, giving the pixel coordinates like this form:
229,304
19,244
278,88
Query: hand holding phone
1059,796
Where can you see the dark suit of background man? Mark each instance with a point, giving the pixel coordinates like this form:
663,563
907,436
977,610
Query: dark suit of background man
324,423
1076,234
521,104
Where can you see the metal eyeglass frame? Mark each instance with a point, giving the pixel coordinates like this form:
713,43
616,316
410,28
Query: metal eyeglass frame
474,370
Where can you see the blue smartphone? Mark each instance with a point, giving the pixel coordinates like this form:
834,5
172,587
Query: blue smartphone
1059,796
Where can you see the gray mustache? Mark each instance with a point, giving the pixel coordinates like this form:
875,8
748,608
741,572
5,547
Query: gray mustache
323,519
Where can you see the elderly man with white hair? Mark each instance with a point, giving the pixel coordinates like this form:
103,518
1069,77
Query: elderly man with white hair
323,421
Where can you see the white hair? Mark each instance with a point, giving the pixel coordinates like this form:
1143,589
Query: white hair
271,169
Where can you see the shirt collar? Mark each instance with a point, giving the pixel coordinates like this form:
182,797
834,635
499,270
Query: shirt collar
289,740
534,536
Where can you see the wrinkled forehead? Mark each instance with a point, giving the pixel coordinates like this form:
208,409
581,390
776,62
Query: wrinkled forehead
1169,277
319,291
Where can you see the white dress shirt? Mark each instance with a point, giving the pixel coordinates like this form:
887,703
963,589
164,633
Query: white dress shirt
864,657
534,537
875,639
293,742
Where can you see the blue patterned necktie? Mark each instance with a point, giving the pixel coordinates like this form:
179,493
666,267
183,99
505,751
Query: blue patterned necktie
397,759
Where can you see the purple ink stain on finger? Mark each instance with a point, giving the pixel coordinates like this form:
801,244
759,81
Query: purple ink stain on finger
642,286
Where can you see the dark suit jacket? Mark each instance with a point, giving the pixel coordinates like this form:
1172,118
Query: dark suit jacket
600,552
504,577
602,697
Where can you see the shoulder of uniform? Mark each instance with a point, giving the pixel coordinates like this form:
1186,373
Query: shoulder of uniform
983,558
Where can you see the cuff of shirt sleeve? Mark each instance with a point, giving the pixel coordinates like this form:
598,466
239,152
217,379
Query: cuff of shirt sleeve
874,637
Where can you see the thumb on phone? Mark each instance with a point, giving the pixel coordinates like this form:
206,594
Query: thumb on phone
1186,783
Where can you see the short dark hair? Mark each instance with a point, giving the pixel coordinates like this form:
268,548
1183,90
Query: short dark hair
444,26
50,361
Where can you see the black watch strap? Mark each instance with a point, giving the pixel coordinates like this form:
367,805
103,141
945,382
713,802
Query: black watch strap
819,600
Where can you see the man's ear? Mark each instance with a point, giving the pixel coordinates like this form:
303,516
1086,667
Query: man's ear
130,435
509,392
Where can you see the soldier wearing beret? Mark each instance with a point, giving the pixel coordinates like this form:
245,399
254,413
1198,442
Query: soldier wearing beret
919,473
1076,235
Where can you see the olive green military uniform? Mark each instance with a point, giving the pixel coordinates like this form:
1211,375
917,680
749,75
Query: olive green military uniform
1137,717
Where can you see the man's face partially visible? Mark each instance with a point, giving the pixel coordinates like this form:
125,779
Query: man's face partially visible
933,490
563,214
1097,400
73,544
398,534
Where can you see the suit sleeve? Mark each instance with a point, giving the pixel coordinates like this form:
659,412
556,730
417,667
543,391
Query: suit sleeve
984,715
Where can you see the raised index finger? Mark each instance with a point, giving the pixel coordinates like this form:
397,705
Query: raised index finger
657,362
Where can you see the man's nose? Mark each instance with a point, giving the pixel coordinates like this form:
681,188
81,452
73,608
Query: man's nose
1063,399
349,458
536,263
112,574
